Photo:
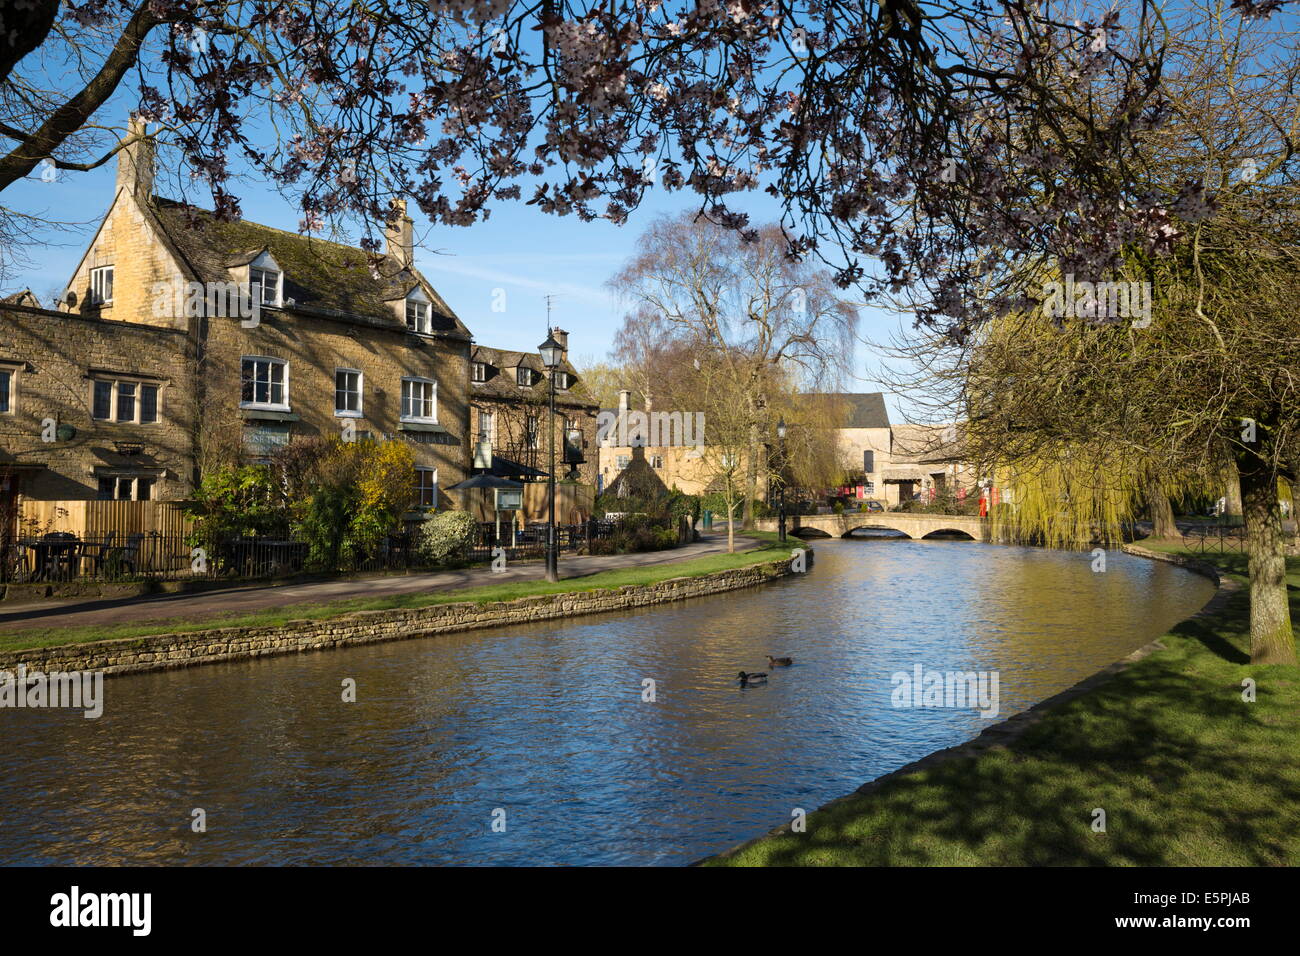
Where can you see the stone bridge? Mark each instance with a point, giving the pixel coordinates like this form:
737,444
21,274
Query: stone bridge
912,525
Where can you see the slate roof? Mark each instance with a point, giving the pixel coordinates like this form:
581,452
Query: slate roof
864,409
501,379
322,277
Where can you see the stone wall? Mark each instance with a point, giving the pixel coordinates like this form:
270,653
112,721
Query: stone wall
167,651
53,357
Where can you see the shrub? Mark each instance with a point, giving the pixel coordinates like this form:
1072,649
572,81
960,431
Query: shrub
447,536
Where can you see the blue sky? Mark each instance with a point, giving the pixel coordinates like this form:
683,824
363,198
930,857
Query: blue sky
519,256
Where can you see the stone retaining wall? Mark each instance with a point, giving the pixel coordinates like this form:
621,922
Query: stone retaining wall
166,651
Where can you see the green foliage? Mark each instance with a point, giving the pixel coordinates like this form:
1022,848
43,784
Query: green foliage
358,494
447,536
234,502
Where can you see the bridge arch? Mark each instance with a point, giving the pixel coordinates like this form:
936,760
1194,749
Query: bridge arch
954,534
880,525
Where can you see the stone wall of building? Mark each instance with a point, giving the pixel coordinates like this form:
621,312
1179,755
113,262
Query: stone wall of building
314,349
52,358
167,651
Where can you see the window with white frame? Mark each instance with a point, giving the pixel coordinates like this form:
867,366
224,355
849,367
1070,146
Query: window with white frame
561,380
419,400
426,487
622,461
486,426
524,376
656,461
264,284
478,372
532,434
264,383
126,487
118,400
101,286
347,393
417,316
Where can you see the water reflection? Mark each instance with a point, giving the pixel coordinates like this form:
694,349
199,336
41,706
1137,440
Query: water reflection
548,724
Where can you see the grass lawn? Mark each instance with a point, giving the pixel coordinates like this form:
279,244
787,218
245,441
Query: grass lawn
766,549
1188,773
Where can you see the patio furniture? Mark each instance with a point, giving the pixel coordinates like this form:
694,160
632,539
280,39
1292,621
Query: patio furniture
56,556
97,554
129,555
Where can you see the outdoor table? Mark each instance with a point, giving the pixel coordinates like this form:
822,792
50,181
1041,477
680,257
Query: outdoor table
55,555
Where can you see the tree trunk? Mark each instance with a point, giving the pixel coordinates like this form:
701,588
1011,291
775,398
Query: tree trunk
731,527
1162,514
1233,506
1271,638
751,477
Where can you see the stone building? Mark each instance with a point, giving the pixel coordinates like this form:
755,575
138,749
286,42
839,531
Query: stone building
93,408
509,405
206,342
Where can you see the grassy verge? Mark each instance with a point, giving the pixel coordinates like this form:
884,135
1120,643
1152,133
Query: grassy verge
766,549
1187,772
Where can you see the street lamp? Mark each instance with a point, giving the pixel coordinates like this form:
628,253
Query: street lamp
552,354
780,434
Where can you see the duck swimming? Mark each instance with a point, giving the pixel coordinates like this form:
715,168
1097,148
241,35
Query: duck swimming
747,679
779,661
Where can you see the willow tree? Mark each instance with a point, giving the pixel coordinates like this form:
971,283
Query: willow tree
699,290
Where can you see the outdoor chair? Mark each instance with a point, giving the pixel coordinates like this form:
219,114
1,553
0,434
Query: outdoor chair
97,554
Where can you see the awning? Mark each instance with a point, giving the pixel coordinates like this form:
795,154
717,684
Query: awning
505,468
905,474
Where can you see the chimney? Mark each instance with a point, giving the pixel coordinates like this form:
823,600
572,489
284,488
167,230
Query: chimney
135,163
624,400
400,233
562,337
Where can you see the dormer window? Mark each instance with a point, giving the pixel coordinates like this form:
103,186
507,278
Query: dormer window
265,280
524,376
561,380
478,372
417,316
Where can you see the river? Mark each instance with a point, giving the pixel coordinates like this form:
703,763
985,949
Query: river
533,745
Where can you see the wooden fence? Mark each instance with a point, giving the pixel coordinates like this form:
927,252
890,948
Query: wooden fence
97,518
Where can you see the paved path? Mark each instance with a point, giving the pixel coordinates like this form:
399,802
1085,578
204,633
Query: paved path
195,606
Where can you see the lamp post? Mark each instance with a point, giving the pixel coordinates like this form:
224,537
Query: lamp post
552,353
780,434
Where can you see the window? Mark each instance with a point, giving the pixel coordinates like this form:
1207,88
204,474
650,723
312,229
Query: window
417,316
868,487
524,376
265,383
479,372
561,380
124,401
868,461
101,286
419,400
622,461
264,285
6,391
531,431
486,426
347,393
126,488
426,487
656,461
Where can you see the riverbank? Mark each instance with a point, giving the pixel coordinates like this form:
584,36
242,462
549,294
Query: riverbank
157,645
1188,773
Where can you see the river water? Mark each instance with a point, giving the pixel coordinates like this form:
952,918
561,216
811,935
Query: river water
533,745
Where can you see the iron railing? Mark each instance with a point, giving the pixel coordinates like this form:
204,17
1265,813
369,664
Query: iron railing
62,556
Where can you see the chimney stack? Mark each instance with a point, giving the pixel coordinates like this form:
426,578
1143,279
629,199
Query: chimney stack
562,337
135,163
400,233
624,400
